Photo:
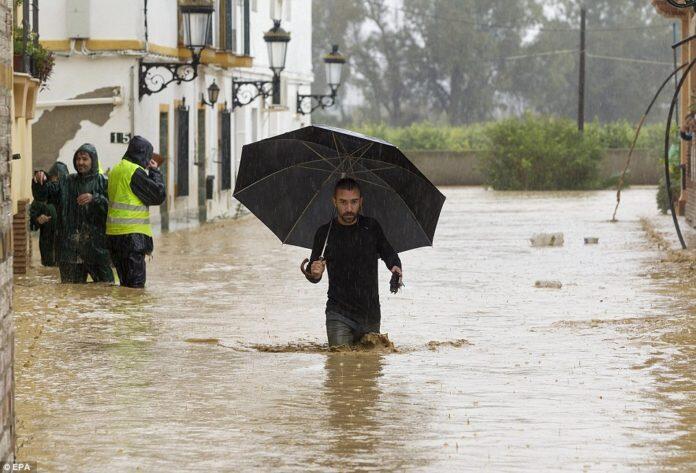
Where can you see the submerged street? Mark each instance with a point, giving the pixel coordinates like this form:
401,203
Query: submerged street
217,364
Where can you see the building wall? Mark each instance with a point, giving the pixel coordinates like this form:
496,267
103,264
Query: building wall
687,22
7,432
109,59
25,89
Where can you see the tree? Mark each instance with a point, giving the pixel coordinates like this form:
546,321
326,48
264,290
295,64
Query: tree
460,46
382,64
621,34
332,22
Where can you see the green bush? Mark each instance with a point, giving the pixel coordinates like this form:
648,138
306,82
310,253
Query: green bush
530,152
674,181
540,153
429,136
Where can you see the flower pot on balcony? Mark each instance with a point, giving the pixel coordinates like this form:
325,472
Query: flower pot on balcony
18,63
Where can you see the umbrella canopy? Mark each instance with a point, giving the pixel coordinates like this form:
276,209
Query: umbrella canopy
288,181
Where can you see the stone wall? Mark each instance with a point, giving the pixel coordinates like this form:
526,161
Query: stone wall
7,429
462,168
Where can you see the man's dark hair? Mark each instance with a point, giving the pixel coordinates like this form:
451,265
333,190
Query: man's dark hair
347,184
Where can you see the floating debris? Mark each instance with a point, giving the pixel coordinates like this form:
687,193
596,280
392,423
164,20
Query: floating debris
547,239
591,240
548,284
434,345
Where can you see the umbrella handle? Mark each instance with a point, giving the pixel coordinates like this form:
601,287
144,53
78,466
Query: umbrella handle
305,268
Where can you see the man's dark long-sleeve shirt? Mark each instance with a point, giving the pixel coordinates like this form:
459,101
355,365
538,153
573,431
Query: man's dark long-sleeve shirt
148,186
351,263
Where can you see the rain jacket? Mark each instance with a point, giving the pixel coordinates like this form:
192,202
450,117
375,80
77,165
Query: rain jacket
48,241
148,186
81,229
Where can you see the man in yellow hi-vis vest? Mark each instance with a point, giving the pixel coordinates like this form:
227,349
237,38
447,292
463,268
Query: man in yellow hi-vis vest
134,184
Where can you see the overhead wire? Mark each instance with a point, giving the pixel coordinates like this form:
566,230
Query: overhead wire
493,26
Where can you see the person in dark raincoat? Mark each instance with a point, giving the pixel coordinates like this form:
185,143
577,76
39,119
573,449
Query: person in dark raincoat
44,218
136,183
353,244
82,204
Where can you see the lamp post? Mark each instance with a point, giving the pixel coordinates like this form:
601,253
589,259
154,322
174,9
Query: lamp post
244,92
333,64
156,76
213,93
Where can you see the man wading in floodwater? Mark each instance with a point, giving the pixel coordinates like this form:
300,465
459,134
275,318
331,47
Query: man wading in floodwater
353,245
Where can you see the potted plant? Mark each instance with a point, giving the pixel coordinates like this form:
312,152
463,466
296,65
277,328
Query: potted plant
18,48
41,60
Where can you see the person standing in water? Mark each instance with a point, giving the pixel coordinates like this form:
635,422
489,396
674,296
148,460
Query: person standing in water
348,247
136,183
44,218
82,206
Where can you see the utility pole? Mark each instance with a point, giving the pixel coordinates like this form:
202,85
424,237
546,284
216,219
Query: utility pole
581,78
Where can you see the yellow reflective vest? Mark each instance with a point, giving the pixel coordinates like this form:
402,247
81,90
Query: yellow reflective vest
127,213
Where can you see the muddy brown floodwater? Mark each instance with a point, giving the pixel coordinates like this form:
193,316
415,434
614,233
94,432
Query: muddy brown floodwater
220,364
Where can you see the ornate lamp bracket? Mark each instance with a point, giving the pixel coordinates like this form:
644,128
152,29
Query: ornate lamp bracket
246,91
306,104
154,77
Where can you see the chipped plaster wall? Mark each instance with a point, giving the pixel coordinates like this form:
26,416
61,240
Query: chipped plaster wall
57,126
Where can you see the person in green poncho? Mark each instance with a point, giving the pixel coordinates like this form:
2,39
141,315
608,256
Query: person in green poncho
82,204
43,217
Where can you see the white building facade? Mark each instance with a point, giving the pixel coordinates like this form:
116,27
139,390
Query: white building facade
94,93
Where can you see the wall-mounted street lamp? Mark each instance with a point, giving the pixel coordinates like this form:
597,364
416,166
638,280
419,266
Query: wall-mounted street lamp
213,93
333,63
683,3
156,76
244,92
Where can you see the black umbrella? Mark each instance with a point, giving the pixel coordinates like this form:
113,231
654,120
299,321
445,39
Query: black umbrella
287,181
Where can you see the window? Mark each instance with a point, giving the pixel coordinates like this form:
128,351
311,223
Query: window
225,150
200,149
233,19
227,16
200,162
239,138
164,143
247,29
182,151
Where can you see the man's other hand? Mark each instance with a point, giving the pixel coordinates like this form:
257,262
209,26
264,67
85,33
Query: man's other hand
397,270
318,269
42,219
84,199
40,177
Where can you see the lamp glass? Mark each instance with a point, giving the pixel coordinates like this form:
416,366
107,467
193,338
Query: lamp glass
333,73
213,93
197,27
276,55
